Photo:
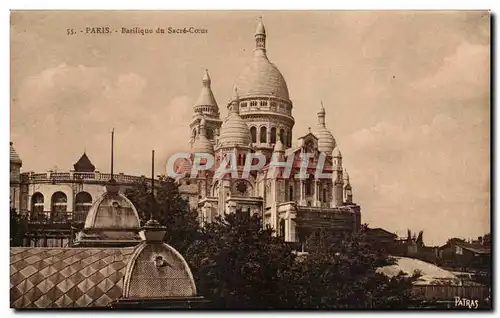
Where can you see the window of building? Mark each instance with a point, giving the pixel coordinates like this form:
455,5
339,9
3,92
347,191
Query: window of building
263,103
253,132
263,134
273,104
37,203
290,194
83,202
59,207
273,135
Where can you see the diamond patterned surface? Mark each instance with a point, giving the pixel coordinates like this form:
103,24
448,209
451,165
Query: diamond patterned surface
66,277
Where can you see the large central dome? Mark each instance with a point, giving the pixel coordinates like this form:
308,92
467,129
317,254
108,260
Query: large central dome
260,77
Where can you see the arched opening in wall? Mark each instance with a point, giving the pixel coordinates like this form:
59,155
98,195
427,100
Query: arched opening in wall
37,204
282,228
273,135
209,133
263,134
290,194
83,202
325,198
59,207
282,136
289,138
253,132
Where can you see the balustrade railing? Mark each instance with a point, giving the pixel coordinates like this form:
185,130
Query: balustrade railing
53,218
30,177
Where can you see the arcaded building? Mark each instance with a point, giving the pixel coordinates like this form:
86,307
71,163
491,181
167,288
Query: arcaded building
57,203
260,120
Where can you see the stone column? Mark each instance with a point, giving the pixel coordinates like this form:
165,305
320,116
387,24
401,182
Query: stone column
317,202
302,193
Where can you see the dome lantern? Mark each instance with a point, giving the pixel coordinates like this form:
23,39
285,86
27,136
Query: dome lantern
260,38
326,141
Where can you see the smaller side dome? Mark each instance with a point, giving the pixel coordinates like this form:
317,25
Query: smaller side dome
234,130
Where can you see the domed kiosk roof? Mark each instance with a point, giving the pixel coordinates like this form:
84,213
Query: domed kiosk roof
261,77
111,221
152,272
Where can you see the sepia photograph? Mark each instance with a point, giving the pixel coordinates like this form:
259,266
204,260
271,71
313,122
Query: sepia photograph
251,160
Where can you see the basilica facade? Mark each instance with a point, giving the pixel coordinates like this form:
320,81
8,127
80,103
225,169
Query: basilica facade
260,121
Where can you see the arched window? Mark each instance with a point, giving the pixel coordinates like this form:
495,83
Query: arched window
37,207
253,132
263,134
82,206
325,199
282,136
59,204
289,138
290,194
273,135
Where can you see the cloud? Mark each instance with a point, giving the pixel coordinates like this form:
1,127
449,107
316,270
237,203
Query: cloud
80,106
412,170
464,74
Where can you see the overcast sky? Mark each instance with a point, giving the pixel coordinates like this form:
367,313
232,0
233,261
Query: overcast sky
406,94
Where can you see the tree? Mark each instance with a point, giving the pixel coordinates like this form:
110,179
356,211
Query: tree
169,208
18,228
341,272
239,265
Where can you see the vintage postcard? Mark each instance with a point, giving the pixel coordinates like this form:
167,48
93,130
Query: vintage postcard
250,160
